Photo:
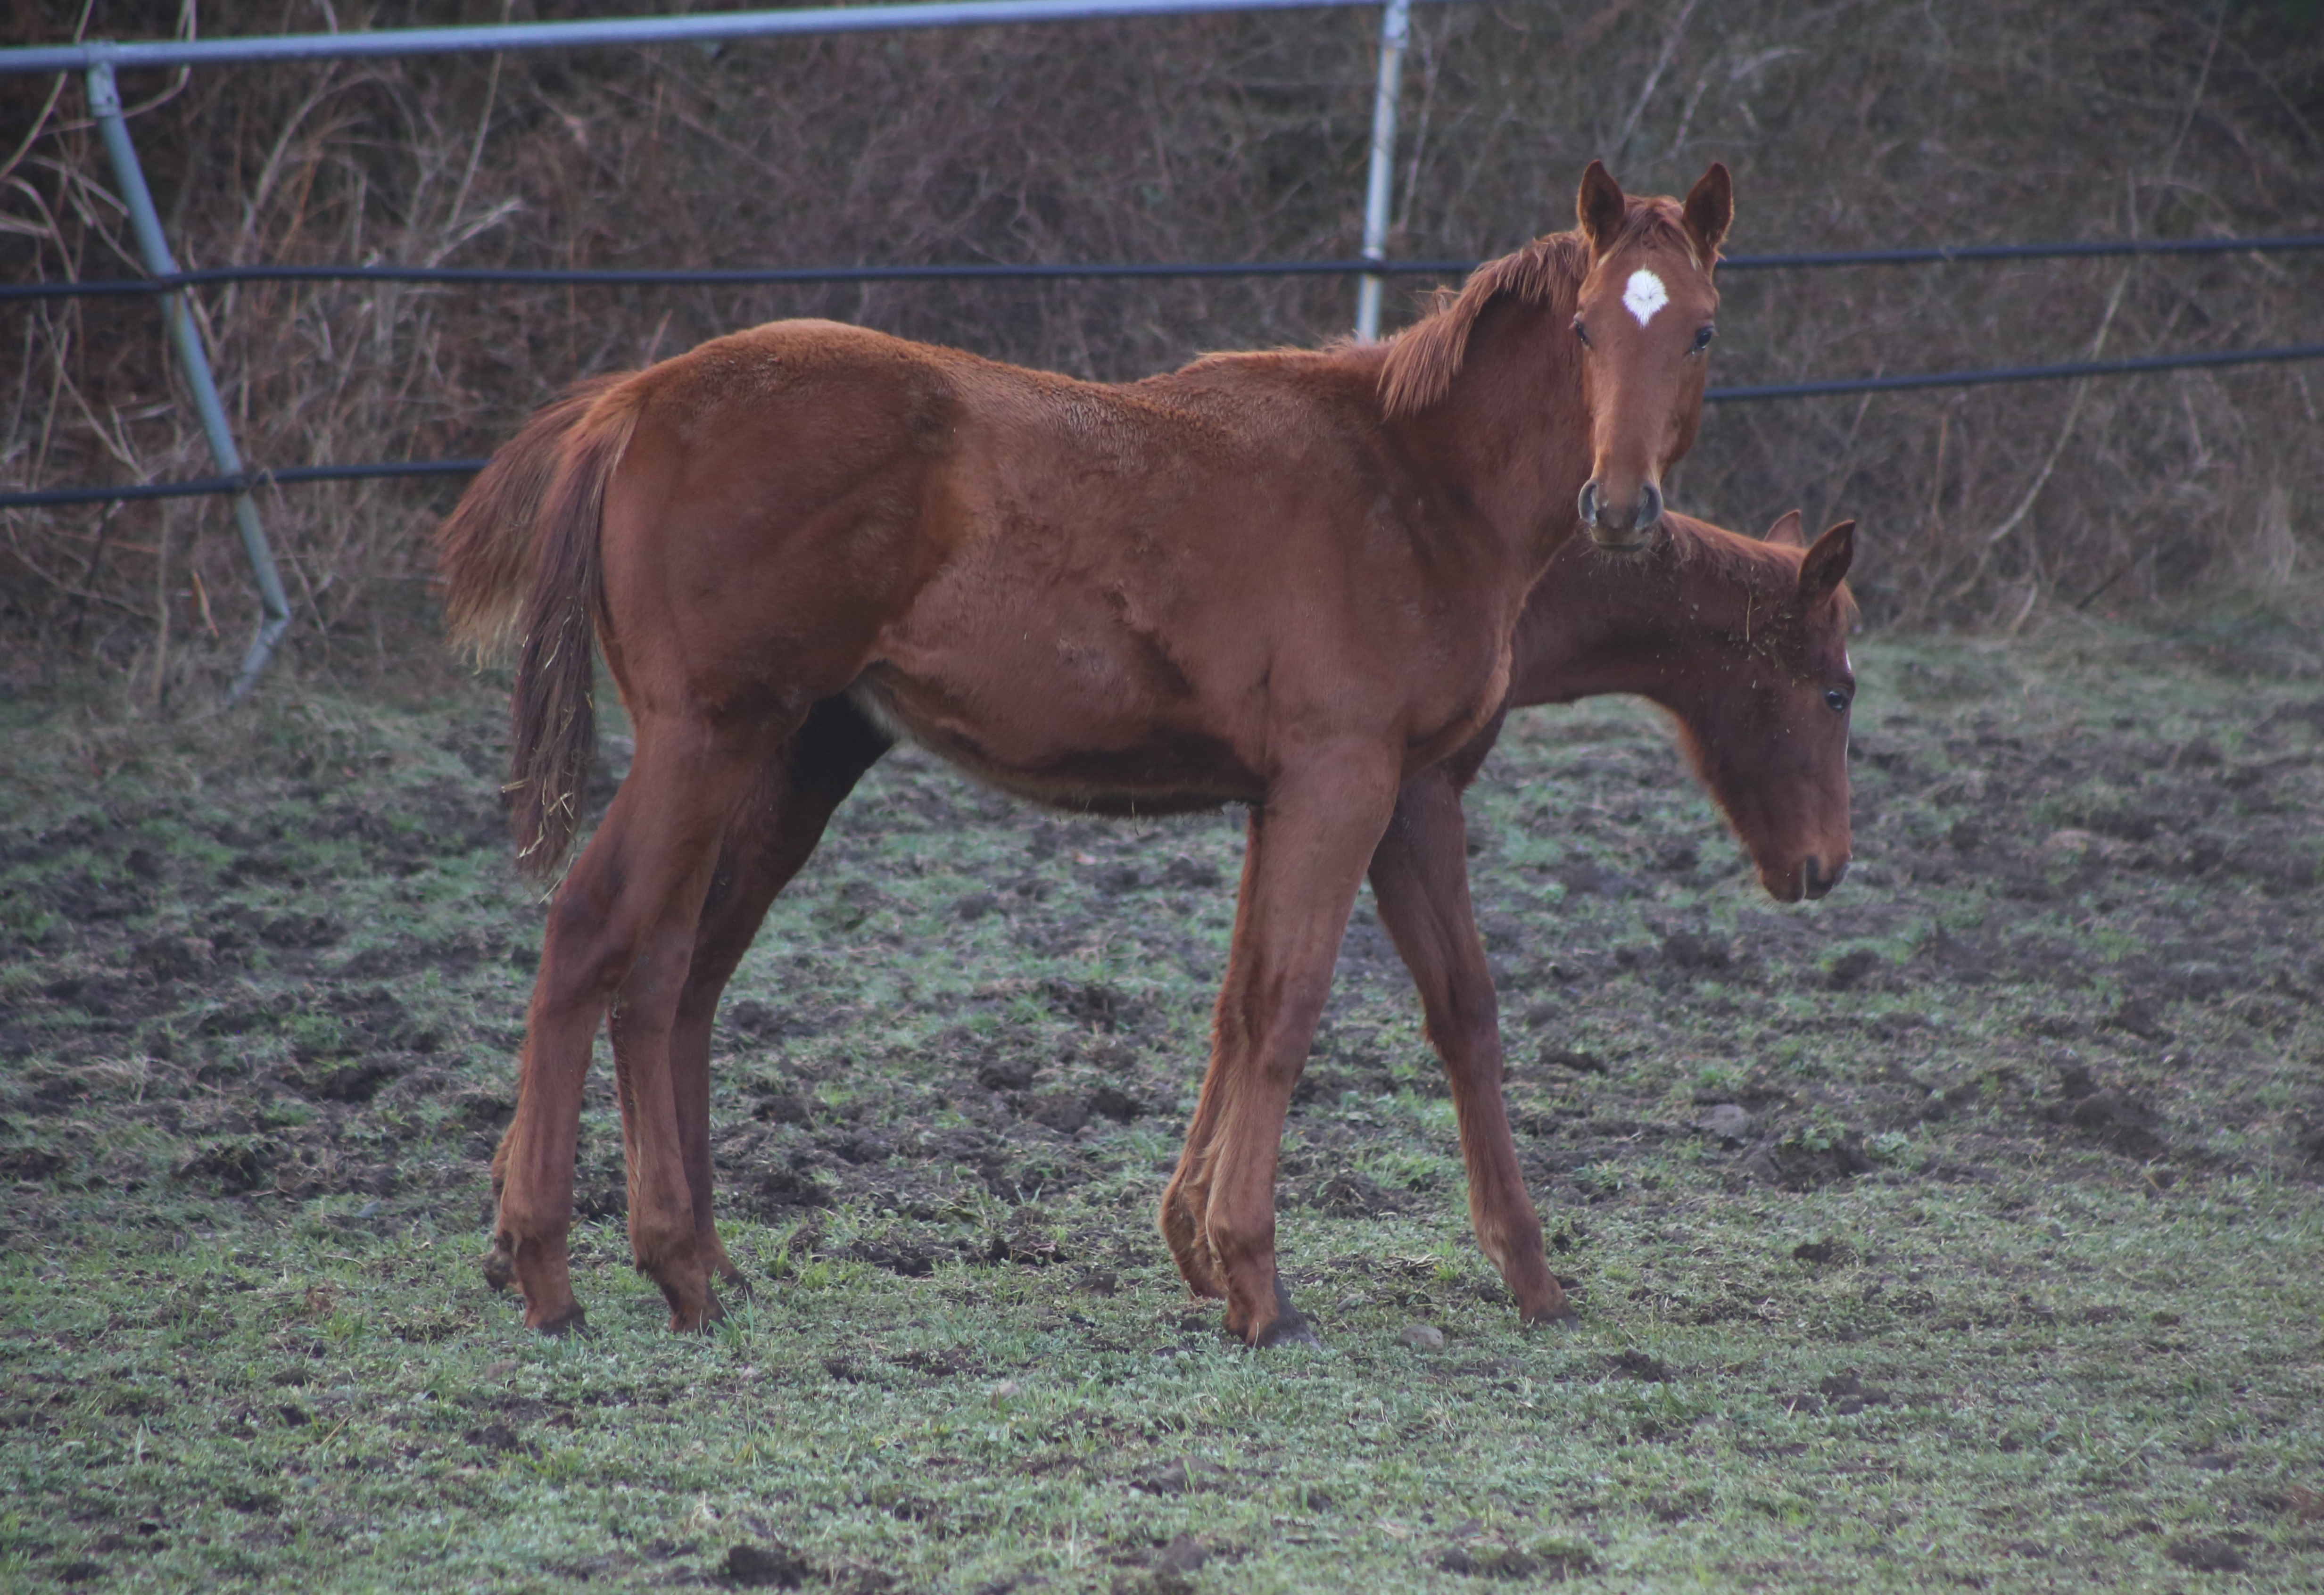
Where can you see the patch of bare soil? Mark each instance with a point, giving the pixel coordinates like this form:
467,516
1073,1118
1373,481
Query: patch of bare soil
2087,942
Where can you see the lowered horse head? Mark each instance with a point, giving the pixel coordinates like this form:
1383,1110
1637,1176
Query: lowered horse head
1762,694
1645,319
1745,644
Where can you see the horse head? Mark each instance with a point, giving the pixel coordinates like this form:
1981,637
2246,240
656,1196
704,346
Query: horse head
1645,315
1575,361
1762,703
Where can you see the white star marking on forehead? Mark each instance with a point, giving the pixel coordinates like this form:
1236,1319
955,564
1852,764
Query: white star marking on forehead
1644,295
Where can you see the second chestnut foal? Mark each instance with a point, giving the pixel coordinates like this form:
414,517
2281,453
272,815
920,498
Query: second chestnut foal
1744,643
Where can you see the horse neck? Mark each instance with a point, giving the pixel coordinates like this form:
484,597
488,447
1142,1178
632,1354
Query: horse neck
1512,437
1596,624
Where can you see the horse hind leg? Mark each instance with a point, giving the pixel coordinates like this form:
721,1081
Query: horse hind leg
1420,883
621,931
773,832
1187,1198
691,779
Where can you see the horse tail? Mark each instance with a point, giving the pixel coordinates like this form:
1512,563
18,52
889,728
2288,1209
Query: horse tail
488,546
538,513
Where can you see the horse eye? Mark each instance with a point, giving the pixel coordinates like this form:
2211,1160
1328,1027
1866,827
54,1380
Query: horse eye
1836,701
1703,338
1582,332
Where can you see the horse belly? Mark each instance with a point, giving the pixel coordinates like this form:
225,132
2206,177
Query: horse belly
1063,724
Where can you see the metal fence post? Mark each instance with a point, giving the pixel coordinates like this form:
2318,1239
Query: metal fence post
1396,27
275,608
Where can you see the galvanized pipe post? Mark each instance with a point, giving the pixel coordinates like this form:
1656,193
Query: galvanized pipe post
1395,28
275,608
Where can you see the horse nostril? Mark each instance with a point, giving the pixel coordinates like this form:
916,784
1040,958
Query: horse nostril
1650,505
1814,880
1587,505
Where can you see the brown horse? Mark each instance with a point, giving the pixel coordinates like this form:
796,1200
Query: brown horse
1285,580
1746,645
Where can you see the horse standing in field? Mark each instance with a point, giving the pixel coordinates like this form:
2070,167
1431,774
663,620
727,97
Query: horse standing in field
1286,579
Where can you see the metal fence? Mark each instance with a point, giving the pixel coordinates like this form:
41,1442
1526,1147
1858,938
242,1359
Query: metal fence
99,62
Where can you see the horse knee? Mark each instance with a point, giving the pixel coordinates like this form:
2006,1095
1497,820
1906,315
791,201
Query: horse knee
661,1242
585,955
1236,1239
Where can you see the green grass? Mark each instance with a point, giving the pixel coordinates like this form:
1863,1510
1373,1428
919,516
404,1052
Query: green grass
2012,1278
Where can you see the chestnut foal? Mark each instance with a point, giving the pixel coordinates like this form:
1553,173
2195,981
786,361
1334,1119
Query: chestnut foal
1285,580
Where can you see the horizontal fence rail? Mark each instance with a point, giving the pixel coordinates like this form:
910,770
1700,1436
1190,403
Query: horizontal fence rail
718,277
2065,371
984,271
202,487
719,28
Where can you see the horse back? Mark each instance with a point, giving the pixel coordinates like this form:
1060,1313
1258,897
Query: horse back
1184,565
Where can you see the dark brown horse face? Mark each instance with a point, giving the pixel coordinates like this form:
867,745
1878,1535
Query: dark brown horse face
1645,322
1769,729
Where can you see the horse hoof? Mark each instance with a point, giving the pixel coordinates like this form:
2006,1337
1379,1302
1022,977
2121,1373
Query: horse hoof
699,1320
1560,1312
573,1321
1286,1328
737,1282
499,1267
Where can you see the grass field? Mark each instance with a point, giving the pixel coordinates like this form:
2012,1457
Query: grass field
1967,1228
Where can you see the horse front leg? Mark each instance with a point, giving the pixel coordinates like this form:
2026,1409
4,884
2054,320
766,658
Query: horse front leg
1304,860
1420,882
773,832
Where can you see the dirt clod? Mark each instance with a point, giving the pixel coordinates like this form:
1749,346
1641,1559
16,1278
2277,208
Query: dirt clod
765,1567
1643,1366
2206,1556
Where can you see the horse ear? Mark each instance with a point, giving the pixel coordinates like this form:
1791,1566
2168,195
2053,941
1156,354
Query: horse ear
1601,207
1826,563
1786,531
1710,210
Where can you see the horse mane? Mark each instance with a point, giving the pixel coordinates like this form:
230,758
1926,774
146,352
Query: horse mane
1548,273
1772,569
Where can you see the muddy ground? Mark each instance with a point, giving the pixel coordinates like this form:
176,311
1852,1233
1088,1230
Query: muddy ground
264,977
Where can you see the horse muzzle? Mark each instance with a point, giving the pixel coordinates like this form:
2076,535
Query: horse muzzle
1805,881
1623,531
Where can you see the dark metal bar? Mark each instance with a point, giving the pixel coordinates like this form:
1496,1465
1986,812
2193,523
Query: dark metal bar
745,277
249,481
742,276
1952,254
293,475
2017,373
